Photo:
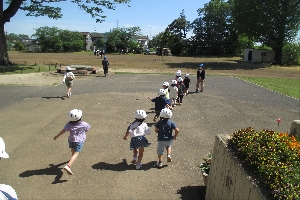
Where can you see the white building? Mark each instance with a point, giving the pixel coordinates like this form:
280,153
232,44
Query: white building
259,55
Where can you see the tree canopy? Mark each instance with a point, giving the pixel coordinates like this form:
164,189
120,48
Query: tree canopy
41,8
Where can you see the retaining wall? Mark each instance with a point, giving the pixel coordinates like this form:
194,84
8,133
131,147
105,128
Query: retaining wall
227,179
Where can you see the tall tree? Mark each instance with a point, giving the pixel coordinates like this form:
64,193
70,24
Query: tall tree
41,8
271,22
175,33
49,38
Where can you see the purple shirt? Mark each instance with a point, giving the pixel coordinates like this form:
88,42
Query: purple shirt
77,131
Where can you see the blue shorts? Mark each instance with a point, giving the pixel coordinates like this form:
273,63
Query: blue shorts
77,146
162,145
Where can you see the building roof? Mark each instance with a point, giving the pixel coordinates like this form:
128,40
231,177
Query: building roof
96,35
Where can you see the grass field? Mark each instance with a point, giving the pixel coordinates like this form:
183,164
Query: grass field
281,79
290,87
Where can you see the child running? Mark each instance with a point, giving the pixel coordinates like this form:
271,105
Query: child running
173,93
164,129
77,129
137,130
160,103
186,82
68,79
181,90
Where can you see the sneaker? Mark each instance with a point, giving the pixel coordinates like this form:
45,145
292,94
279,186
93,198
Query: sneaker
68,169
169,159
68,95
154,119
159,164
134,160
138,165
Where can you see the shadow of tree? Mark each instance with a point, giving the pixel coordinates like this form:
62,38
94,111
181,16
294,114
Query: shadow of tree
192,192
122,166
51,170
217,65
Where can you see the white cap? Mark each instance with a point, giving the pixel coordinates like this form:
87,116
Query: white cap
68,68
3,154
7,192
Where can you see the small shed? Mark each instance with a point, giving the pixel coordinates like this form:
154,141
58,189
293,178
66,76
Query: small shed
259,55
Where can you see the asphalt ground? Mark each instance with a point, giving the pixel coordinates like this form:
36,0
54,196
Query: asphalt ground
32,116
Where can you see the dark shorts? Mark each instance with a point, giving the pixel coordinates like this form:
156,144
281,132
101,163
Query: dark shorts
77,146
157,113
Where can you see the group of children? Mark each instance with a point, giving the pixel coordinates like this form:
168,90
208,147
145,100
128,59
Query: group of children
164,103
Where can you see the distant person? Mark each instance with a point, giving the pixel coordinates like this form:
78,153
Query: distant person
186,82
164,128
95,52
137,130
105,65
200,78
173,93
6,191
77,129
68,79
160,103
181,89
101,53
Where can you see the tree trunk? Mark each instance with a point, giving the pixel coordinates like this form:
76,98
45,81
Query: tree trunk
4,60
278,55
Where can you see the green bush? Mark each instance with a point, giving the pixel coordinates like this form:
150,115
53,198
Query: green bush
272,158
291,54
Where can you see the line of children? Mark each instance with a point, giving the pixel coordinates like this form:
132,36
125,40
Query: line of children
160,103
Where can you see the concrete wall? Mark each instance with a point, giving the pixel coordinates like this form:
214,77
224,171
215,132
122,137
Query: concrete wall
227,179
295,128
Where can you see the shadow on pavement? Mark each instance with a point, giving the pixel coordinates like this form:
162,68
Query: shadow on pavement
192,192
122,166
58,97
52,170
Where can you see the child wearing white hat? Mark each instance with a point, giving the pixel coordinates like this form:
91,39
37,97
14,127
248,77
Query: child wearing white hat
77,129
68,79
137,130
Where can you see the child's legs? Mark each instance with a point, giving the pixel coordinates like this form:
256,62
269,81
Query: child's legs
197,84
202,84
69,89
169,150
76,147
135,152
141,154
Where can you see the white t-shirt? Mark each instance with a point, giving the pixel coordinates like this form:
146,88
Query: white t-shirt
139,130
7,193
69,75
173,92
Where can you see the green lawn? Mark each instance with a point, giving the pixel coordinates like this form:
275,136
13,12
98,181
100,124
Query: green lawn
23,69
290,87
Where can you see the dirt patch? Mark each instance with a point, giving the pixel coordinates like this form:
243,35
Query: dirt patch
33,79
138,63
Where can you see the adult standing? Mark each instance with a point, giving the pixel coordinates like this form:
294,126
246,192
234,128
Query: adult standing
200,78
105,65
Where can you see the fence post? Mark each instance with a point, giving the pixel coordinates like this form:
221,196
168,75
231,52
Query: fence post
49,67
35,63
39,68
21,70
44,63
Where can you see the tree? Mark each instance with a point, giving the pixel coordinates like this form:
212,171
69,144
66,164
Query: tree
41,8
175,34
121,38
49,39
71,40
271,22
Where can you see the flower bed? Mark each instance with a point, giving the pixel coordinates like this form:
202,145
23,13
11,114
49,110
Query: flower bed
272,158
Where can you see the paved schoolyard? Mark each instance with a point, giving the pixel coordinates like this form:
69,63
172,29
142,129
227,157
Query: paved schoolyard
32,116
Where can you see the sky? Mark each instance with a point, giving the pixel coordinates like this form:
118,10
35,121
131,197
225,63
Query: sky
152,16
